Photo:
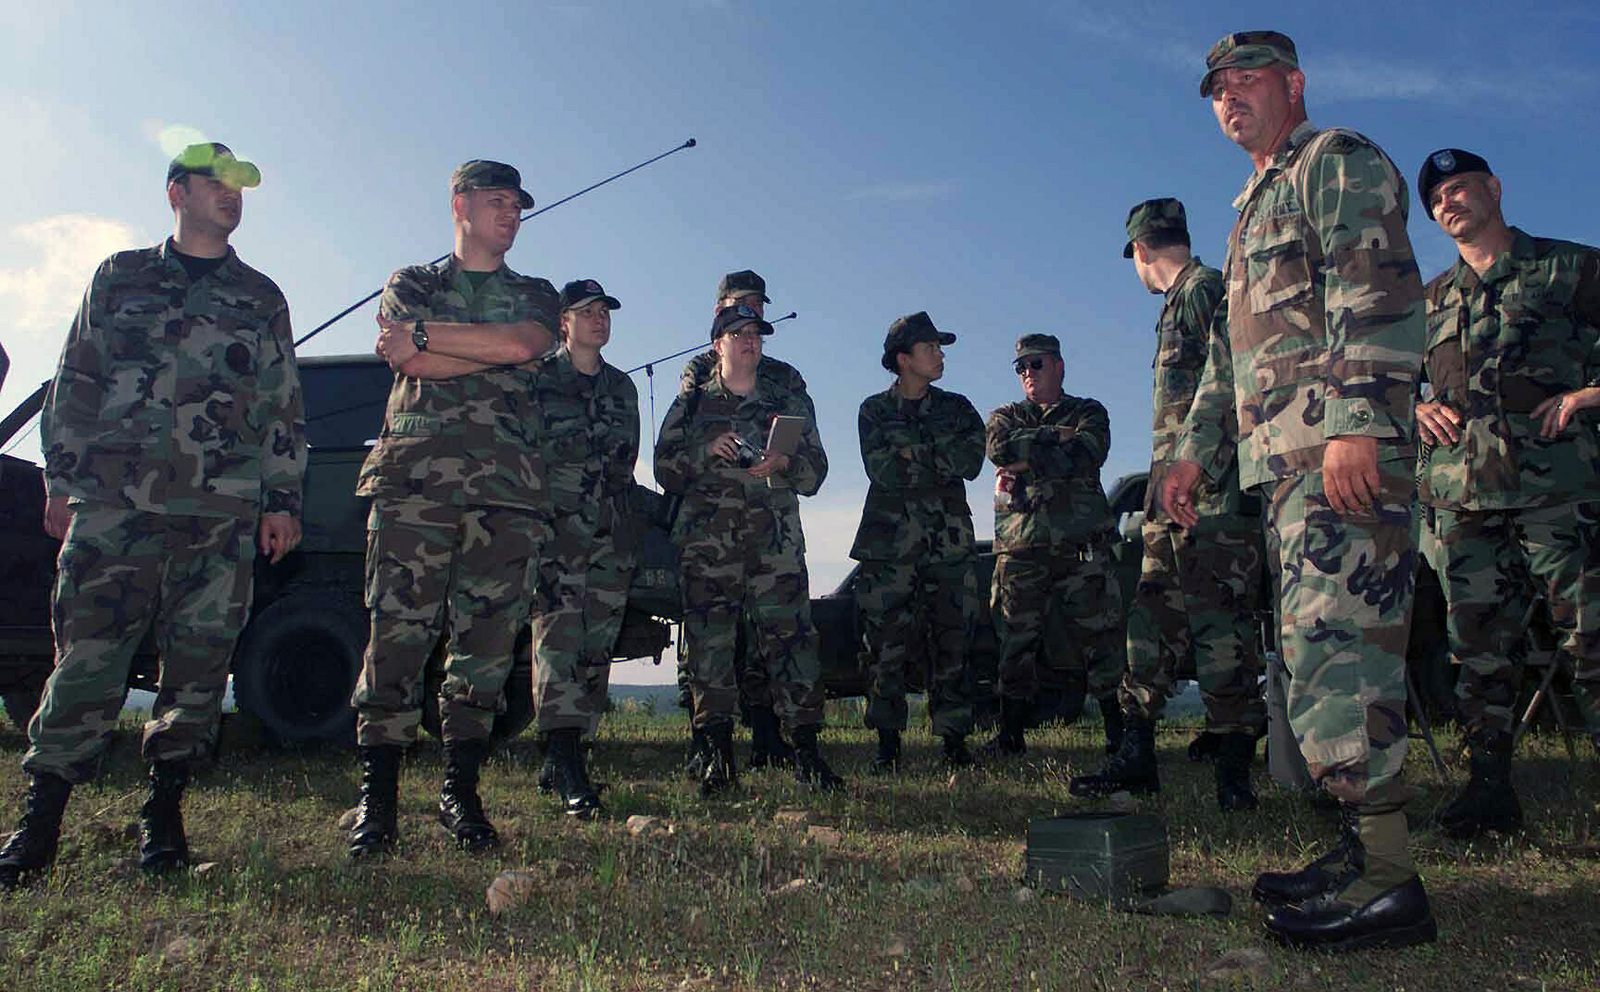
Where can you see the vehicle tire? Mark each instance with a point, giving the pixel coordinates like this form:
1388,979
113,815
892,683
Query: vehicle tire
517,711
20,706
297,665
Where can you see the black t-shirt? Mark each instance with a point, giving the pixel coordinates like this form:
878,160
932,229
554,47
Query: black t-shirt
197,267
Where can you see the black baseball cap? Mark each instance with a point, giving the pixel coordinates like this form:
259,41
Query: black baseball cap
908,331
734,317
580,291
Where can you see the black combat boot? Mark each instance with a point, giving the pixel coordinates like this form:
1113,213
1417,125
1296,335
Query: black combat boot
1111,713
1204,746
1489,802
956,754
460,809
546,782
33,847
767,746
1132,769
721,771
162,844
1384,906
377,826
699,754
1327,874
809,766
887,760
579,797
1235,752
1008,742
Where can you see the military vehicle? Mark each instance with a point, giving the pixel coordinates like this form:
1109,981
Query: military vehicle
300,653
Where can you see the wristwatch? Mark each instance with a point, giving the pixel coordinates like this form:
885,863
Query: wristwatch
419,336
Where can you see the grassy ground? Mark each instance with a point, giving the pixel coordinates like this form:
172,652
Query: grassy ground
917,888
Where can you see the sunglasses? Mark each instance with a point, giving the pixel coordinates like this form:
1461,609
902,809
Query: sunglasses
1033,364
744,311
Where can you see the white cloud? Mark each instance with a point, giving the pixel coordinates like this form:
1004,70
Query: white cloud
39,296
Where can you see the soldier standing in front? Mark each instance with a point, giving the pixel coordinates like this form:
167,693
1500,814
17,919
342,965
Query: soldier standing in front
1199,586
591,441
174,443
743,550
1511,476
1311,390
745,288
916,590
459,513
1054,589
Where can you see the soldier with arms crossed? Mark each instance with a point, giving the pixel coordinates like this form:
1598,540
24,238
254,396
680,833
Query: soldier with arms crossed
174,441
1198,586
591,441
1511,474
1054,589
459,511
917,593
1310,389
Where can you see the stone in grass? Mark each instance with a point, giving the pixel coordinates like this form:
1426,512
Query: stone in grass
964,884
183,949
347,820
640,825
792,817
895,947
824,836
1251,962
791,886
509,890
1023,896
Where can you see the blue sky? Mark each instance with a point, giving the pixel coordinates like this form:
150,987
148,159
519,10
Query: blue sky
869,159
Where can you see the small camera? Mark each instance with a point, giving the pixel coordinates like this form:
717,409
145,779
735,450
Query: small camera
748,454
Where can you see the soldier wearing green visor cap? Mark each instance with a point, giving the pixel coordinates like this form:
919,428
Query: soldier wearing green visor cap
174,445
1310,393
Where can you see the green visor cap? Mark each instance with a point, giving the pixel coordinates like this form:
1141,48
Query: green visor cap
1038,344
215,159
1248,50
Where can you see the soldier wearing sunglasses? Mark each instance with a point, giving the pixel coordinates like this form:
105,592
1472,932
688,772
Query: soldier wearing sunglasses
1053,536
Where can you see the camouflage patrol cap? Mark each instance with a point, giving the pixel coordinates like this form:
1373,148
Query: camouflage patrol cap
580,292
742,283
907,332
1038,344
1441,165
1248,50
1153,217
213,158
484,174
730,319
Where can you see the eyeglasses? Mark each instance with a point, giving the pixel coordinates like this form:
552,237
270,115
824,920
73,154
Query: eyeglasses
744,332
1033,364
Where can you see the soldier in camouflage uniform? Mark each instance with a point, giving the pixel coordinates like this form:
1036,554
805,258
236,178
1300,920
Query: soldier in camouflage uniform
591,441
1310,390
1198,587
742,550
1054,591
767,745
459,510
916,589
1511,473
174,442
